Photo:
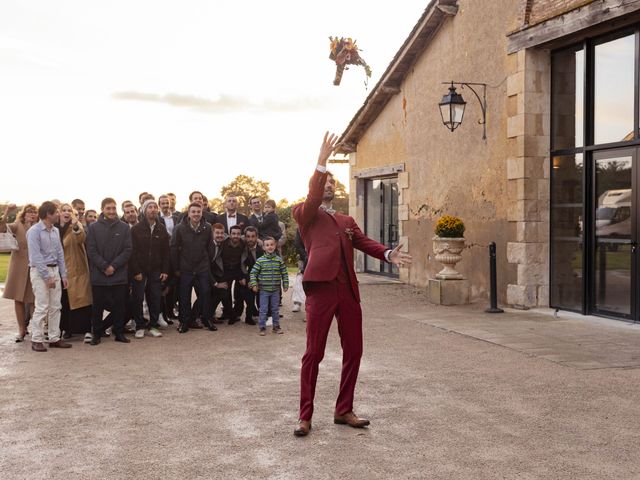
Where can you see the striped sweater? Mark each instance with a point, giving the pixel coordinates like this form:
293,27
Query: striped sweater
268,272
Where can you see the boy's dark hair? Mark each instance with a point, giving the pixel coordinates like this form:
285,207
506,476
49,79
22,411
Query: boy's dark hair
106,201
251,229
47,208
270,203
236,227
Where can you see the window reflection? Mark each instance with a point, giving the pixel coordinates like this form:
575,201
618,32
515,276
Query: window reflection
613,94
568,99
566,232
613,232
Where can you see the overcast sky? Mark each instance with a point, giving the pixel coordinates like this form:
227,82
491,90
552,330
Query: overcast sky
113,98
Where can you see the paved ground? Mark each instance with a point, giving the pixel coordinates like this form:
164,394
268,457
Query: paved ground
452,393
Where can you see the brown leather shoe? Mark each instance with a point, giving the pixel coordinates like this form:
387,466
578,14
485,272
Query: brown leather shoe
302,428
38,347
351,419
59,344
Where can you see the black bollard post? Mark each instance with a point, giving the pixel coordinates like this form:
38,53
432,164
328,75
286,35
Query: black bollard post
493,281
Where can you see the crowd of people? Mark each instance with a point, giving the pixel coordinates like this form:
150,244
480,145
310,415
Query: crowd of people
74,264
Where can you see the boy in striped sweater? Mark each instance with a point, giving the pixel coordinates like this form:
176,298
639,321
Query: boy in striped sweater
268,273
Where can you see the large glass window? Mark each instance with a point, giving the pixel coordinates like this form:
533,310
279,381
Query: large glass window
382,220
566,285
593,228
613,104
567,104
613,240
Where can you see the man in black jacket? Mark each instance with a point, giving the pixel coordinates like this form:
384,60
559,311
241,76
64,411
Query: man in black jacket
191,255
231,216
232,251
220,291
252,252
255,219
108,250
149,266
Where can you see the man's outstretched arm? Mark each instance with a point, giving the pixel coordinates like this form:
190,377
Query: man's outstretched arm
304,213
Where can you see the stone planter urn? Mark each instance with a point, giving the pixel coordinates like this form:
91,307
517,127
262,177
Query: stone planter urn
448,252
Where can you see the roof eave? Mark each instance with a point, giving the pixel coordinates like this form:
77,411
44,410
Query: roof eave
389,84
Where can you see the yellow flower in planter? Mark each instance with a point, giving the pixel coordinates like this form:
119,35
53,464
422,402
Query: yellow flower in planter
449,226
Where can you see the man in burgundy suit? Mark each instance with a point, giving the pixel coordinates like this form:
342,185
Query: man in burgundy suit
332,290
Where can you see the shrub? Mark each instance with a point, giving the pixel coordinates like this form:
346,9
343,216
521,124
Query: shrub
449,226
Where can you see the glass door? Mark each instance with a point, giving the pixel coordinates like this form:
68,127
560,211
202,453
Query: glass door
381,220
614,229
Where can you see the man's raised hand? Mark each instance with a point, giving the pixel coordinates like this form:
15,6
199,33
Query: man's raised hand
399,258
329,144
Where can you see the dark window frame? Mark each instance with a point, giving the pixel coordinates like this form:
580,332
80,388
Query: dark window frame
587,150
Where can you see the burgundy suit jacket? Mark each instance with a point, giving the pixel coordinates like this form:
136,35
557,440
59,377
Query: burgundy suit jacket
323,234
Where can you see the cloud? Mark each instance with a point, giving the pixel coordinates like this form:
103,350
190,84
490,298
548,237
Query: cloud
224,103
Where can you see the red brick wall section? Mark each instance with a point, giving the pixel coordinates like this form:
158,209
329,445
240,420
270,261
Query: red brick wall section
542,10
524,12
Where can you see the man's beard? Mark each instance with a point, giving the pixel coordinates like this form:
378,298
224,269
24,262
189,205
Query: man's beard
328,196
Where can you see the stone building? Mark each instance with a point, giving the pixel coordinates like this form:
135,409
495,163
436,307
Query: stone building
555,182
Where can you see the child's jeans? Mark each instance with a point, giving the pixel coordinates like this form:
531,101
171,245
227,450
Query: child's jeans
269,299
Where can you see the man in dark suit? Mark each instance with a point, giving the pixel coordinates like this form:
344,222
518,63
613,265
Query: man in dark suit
252,252
221,288
231,216
332,289
255,219
167,217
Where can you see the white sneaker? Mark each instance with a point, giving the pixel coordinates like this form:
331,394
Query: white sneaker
131,325
139,333
87,338
296,307
154,332
162,323
107,332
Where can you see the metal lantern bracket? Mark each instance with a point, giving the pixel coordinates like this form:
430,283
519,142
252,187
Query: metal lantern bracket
482,101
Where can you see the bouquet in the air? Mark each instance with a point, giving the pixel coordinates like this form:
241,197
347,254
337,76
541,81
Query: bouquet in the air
344,51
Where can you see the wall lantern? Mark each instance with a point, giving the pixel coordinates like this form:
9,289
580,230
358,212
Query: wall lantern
452,106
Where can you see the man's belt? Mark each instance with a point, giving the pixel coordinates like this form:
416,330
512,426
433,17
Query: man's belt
52,265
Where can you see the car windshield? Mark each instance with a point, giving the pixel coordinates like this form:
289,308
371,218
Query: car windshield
605,213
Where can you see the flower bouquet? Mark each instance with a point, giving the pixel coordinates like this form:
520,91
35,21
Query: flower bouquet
344,51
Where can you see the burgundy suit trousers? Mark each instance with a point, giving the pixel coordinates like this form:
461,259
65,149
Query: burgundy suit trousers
324,301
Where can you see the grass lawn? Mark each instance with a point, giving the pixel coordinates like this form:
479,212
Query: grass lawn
4,265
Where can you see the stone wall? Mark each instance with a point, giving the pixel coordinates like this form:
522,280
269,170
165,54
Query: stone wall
455,173
528,125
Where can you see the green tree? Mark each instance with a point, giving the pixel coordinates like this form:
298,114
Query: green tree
283,210
245,187
216,205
